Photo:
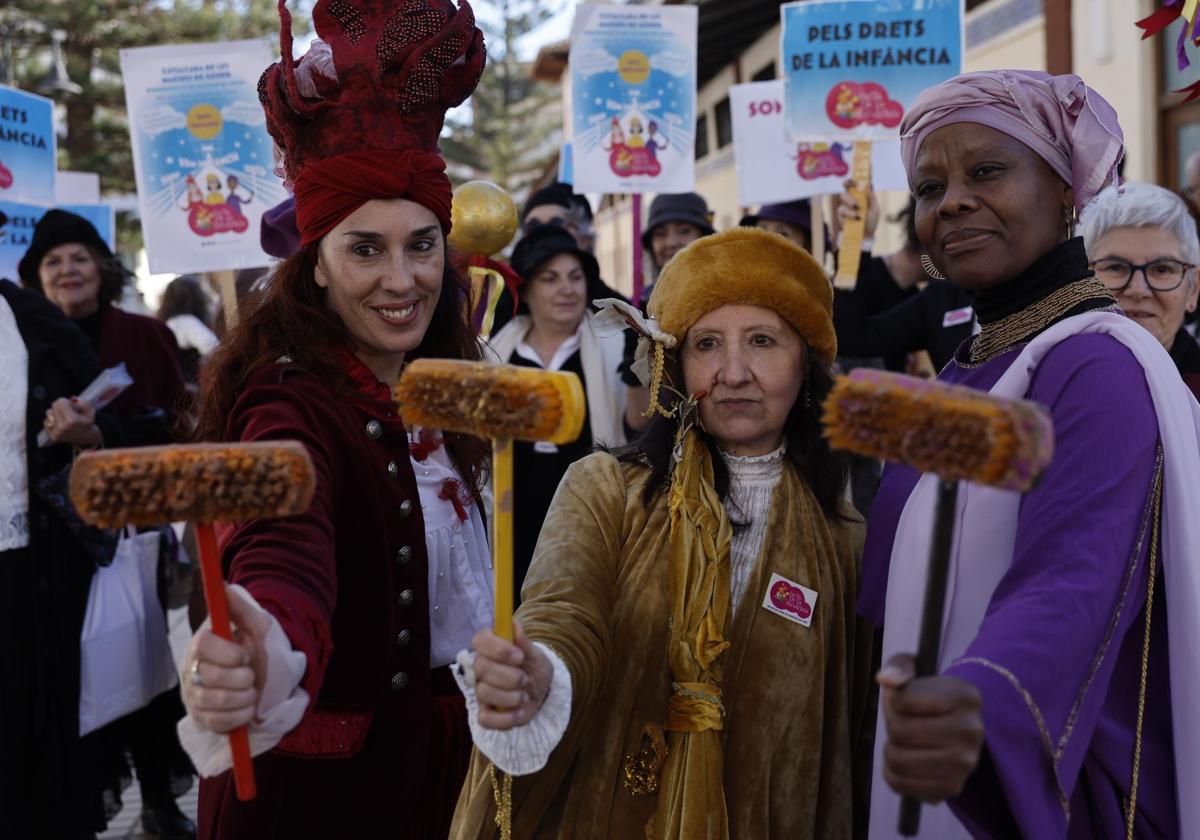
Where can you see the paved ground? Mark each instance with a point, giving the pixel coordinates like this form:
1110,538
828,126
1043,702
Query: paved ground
127,825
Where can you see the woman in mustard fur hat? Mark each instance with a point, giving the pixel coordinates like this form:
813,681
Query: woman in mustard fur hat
687,661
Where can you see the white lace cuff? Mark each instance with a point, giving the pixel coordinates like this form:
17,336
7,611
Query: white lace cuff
523,749
280,707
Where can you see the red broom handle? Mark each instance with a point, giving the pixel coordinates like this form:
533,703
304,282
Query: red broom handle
218,610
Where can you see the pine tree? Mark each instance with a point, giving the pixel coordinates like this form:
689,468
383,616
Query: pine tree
97,132
512,128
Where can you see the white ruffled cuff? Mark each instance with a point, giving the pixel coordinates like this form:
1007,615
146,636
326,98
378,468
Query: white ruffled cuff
280,707
523,749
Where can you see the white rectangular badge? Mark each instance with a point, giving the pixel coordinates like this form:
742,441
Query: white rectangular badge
790,600
958,316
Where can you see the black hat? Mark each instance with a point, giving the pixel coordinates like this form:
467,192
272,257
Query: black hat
797,213
688,208
58,227
546,242
559,195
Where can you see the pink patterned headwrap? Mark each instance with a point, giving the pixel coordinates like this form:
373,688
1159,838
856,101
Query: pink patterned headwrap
1060,118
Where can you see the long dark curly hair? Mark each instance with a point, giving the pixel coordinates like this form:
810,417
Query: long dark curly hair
824,470
293,320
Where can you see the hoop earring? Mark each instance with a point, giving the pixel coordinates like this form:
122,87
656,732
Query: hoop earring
930,268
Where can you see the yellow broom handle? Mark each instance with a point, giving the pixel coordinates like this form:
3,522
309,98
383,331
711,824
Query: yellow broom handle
502,511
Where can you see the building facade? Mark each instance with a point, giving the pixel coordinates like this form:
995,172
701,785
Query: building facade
1096,39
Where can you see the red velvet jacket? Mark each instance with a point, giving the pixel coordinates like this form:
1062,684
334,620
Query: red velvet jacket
151,355
348,582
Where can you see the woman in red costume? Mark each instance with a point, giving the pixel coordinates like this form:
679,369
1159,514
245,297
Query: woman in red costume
350,613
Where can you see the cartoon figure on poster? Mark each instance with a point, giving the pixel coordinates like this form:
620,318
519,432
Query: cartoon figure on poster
821,160
209,210
634,154
850,104
633,83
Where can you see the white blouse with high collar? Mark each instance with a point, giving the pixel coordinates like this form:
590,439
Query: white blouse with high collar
752,483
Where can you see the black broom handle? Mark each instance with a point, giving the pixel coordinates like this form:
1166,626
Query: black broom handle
931,617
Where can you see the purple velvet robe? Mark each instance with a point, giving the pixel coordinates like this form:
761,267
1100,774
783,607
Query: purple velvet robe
1060,702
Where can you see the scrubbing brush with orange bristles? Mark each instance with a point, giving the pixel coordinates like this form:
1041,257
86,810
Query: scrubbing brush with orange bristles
202,483
955,433
504,403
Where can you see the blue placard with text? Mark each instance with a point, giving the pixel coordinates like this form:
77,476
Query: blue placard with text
27,147
853,67
17,233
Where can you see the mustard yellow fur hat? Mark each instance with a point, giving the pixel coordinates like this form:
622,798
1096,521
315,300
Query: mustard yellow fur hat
748,267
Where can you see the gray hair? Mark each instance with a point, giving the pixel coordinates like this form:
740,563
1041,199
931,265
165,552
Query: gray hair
1139,205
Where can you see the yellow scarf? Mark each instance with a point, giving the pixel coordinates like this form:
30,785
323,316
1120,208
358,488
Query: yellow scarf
691,796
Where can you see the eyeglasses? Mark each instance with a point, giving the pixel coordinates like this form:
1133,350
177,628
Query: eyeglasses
1161,275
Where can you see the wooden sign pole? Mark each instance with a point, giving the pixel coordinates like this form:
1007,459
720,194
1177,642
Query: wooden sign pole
850,249
228,287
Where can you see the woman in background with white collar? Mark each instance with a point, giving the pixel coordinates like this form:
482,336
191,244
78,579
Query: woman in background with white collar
551,332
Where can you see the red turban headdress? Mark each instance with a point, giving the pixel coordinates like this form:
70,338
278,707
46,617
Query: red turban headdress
367,127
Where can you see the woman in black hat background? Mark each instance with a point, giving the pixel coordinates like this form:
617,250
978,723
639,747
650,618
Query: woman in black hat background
71,265
550,331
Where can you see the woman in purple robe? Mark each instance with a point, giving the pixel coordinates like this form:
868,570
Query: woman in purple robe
1068,608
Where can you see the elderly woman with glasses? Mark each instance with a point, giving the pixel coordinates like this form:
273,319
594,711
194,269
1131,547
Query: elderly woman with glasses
1142,244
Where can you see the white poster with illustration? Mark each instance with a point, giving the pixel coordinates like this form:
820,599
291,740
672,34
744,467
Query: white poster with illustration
772,169
203,159
633,104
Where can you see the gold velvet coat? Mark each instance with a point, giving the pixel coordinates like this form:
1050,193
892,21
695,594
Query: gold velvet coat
799,701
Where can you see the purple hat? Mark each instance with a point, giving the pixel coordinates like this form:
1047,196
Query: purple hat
798,213
1060,118
278,233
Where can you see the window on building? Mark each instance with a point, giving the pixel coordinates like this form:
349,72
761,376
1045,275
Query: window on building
1179,124
971,4
724,123
766,74
701,136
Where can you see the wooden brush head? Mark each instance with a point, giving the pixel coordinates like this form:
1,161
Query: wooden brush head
492,401
217,482
956,433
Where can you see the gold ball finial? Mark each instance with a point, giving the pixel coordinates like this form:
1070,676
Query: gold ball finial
484,218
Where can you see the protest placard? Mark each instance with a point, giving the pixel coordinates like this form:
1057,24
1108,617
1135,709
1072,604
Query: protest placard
633,82
27,148
852,67
202,154
17,234
772,169
77,187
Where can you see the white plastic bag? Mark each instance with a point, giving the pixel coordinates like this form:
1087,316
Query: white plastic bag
125,656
